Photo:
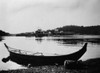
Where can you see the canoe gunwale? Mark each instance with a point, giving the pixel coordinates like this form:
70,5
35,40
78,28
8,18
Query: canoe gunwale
41,54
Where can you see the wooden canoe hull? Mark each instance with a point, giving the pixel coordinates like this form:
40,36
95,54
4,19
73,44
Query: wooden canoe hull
34,60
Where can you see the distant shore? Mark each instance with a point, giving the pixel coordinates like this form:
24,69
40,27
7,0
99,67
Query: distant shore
93,66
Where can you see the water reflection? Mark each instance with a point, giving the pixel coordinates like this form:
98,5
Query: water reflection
77,41
39,39
1,38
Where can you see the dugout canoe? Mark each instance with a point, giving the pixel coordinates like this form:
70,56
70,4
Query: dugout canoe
26,59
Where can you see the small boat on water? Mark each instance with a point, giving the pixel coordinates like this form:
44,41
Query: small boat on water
38,59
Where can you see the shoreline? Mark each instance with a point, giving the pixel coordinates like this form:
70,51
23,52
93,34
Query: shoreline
93,66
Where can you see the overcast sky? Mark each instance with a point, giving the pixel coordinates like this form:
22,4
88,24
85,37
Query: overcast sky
28,15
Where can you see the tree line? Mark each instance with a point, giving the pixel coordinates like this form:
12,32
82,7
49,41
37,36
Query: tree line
65,30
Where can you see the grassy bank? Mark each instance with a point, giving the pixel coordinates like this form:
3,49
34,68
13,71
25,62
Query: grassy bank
93,66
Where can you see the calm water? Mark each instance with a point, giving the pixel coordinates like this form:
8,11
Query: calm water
50,46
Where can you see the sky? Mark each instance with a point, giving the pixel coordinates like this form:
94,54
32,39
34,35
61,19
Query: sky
17,16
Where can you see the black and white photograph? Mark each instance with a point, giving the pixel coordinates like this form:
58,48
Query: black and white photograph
49,36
